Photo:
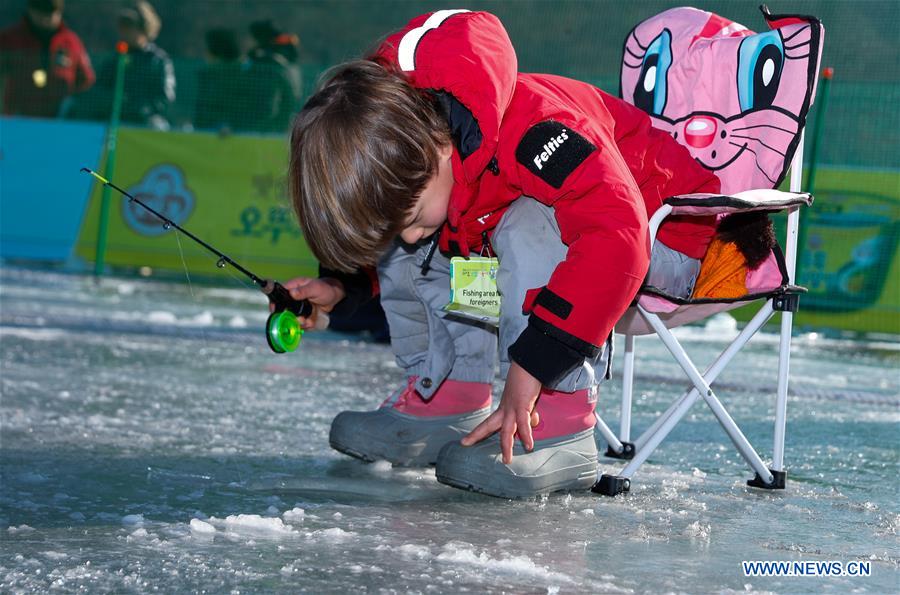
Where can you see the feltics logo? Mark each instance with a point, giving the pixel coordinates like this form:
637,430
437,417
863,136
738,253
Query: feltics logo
552,151
164,189
549,148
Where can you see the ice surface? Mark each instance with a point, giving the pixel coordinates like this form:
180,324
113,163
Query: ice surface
216,451
466,554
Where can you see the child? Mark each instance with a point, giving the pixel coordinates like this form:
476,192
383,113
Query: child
437,146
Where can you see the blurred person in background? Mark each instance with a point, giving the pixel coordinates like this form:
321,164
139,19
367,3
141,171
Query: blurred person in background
273,87
221,84
149,87
42,62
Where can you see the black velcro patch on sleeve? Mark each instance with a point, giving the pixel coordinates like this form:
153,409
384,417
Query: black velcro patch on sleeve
554,303
552,151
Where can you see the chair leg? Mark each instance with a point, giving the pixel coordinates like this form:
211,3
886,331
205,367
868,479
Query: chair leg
621,448
616,448
712,372
648,442
627,389
725,420
784,364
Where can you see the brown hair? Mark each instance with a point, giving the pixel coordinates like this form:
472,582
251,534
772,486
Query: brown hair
362,149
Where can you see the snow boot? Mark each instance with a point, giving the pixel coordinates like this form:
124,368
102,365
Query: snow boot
408,430
564,456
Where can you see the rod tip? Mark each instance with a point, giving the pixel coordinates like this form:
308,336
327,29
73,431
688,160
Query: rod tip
95,174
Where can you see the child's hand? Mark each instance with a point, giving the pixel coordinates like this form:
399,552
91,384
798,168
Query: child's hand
323,294
515,415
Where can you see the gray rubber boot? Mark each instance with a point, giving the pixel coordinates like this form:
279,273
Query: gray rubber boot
567,463
404,440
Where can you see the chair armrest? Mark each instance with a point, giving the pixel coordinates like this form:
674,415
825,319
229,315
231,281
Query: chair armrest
750,200
703,204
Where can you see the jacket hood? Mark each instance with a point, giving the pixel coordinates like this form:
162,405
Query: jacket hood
467,61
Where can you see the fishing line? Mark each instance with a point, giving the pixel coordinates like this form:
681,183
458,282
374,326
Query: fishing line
184,264
283,331
203,334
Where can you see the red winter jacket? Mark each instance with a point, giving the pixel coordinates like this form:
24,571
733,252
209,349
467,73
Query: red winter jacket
41,69
595,159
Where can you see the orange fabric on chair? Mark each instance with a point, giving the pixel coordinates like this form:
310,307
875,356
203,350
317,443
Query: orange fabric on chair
723,272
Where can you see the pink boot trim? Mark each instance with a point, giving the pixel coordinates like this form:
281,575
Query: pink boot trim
453,397
564,413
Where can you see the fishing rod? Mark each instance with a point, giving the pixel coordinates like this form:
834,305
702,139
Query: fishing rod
283,331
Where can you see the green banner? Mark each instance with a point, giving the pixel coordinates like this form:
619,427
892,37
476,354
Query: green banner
228,190
850,261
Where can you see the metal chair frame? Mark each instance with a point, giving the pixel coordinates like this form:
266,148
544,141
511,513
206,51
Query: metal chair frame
646,444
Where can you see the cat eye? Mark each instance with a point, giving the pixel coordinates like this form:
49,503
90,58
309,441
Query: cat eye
650,90
760,61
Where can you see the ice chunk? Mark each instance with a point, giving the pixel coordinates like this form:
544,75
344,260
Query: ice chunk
253,523
161,317
133,519
237,322
411,550
464,553
20,529
295,514
199,527
204,318
381,466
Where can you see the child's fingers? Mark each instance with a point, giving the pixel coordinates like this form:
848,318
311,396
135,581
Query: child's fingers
482,430
296,282
523,427
507,436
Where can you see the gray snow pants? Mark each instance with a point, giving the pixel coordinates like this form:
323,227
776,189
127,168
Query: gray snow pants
432,346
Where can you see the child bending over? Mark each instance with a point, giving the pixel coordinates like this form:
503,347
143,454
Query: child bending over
437,146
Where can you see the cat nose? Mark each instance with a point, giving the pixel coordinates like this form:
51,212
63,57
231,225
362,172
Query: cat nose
699,131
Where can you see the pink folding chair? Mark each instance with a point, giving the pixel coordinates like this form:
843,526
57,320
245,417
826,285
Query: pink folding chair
738,101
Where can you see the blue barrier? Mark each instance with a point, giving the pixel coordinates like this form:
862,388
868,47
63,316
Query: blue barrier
43,196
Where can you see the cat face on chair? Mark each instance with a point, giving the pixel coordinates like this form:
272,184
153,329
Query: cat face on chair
736,99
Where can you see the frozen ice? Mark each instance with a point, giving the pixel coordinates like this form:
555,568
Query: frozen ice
161,317
253,523
331,534
466,554
382,467
111,412
201,527
698,530
295,514
237,322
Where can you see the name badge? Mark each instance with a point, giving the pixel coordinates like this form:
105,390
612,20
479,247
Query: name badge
473,288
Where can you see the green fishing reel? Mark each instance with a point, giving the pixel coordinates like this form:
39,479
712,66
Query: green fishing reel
283,331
